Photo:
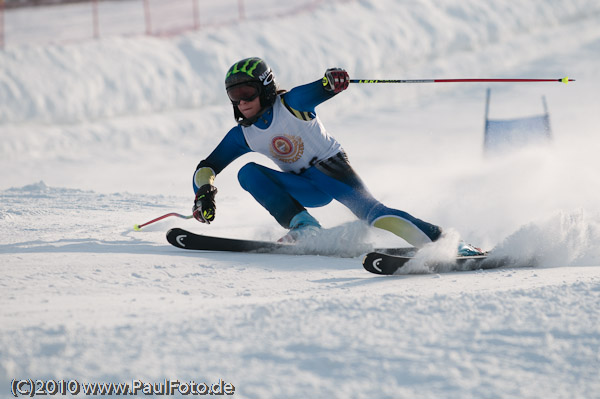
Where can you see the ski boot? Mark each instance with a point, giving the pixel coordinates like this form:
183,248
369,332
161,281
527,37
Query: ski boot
465,249
302,226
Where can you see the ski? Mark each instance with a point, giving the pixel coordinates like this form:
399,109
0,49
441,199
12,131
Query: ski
388,264
187,240
184,239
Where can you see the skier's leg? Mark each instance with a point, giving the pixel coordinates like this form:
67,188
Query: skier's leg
336,177
415,231
284,195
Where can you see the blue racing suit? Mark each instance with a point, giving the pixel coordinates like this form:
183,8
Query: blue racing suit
287,192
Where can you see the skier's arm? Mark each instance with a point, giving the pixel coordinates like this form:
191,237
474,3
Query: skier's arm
305,98
229,149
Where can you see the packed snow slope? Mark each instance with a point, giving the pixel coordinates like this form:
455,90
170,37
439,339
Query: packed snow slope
100,135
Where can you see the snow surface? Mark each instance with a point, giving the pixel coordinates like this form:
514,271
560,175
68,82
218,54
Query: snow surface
97,136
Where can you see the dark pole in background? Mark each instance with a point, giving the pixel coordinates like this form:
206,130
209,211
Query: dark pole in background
241,10
95,16
147,18
196,15
1,23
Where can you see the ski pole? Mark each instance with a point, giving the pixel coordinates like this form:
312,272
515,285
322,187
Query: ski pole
137,227
563,80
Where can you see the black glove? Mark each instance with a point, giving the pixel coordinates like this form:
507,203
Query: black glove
336,80
204,204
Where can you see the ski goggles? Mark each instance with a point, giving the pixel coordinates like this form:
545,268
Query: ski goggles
245,92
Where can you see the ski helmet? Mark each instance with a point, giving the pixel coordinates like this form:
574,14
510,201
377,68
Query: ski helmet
252,72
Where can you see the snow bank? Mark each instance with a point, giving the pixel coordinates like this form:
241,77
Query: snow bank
124,76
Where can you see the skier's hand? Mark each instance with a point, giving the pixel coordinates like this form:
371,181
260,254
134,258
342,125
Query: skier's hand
204,204
336,80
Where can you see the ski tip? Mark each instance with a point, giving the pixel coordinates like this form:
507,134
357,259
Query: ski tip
136,227
566,80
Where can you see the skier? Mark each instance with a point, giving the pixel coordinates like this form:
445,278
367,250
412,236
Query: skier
314,168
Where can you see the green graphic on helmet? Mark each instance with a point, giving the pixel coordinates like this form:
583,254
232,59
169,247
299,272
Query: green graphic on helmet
234,69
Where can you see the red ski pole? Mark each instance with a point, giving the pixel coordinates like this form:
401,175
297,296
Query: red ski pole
137,227
563,80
